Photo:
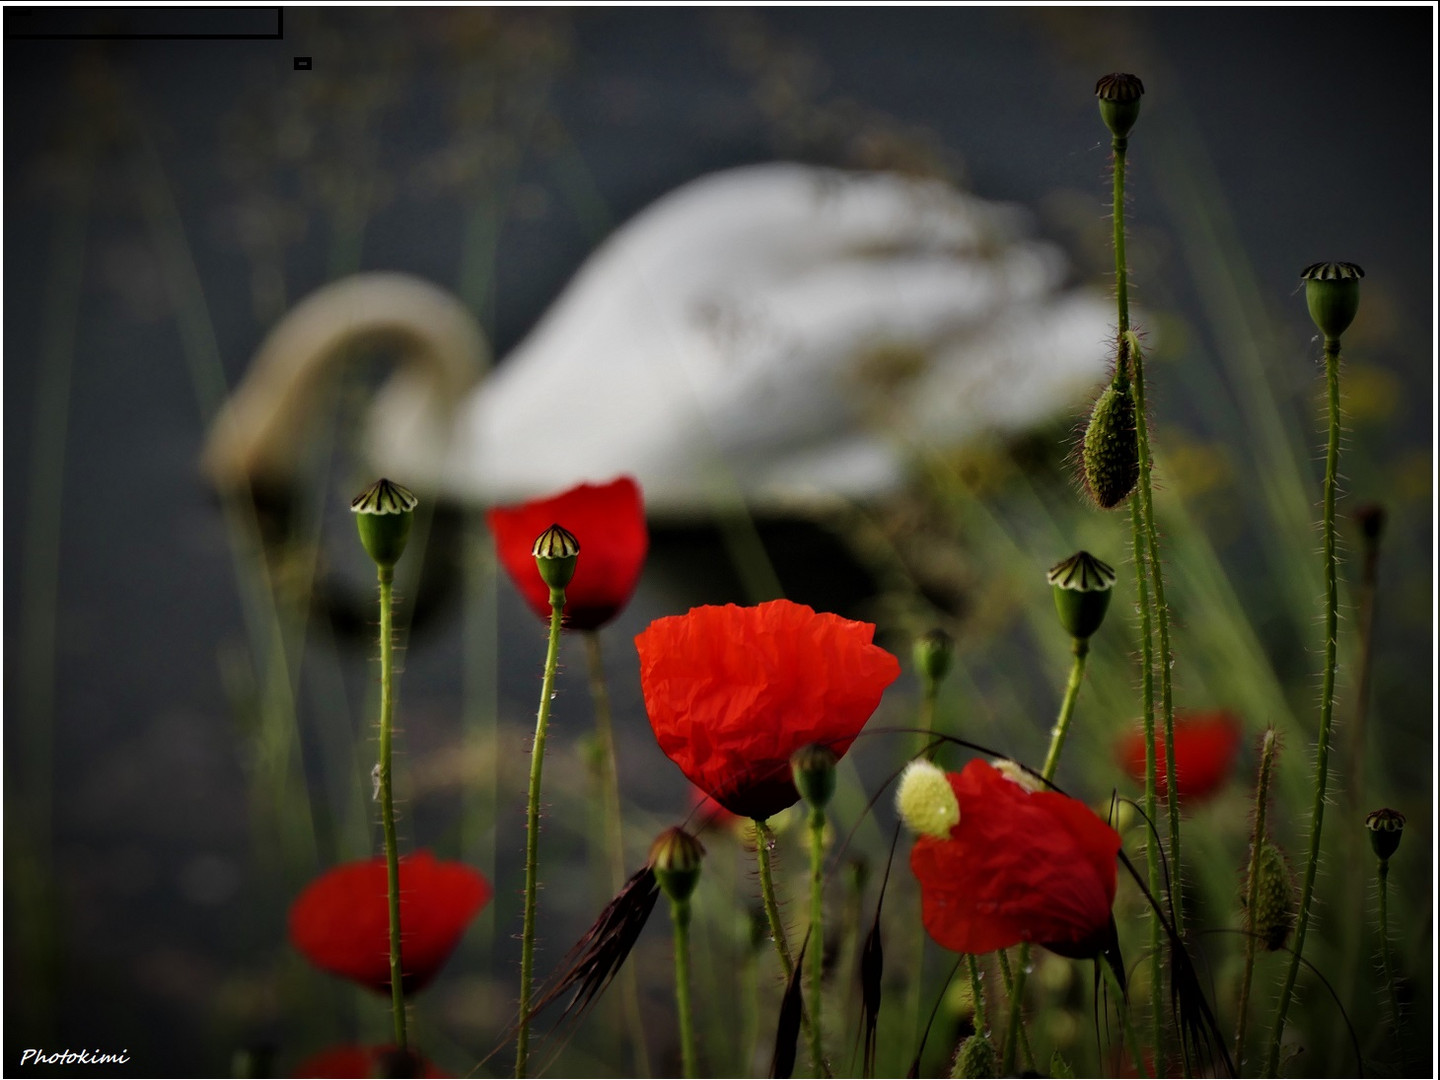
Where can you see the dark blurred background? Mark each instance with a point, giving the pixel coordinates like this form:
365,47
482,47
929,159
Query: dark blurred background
166,200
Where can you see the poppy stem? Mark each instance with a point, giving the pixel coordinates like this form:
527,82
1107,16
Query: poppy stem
1132,1043
1327,701
1383,878
680,919
1080,647
1252,887
532,829
977,991
609,775
1015,1030
387,802
763,839
816,954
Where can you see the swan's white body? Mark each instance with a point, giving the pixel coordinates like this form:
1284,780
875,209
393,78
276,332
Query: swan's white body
777,333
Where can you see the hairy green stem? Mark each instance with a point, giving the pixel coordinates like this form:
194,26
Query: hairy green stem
1327,703
815,959
680,918
1080,647
763,839
1252,889
532,829
387,804
1015,1030
1383,874
609,773
977,992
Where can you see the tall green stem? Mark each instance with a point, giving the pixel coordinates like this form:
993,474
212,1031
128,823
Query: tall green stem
614,834
532,829
763,839
977,992
1383,874
387,804
1252,889
816,957
1015,1030
680,917
1080,647
1327,702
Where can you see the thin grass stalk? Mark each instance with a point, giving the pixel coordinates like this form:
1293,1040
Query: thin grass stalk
1252,890
387,804
1132,1043
1327,702
532,829
609,772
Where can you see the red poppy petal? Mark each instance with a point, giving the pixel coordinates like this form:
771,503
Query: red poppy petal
352,1061
1206,746
732,692
341,922
1020,866
609,522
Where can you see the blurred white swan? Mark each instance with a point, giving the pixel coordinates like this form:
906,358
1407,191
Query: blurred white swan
781,333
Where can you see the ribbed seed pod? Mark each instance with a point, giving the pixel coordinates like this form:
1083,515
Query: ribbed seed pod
1274,897
1109,457
975,1057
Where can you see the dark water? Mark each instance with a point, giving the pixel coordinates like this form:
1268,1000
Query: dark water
126,776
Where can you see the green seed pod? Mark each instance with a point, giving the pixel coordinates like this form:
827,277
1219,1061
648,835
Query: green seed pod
1119,95
556,552
1274,915
383,513
1332,293
813,769
1082,586
675,858
1386,827
976,1057
1110,459
934,650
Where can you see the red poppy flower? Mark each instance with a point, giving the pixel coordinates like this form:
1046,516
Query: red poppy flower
1206,745
352,1061
607,519
341,922
1020,866
732,692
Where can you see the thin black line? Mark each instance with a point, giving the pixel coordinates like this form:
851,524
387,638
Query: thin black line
279,34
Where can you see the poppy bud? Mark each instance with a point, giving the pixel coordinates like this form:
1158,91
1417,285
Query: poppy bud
1108,454
1119,95
1386,827
1082,585
1274,915
1332,293
934,650
675,860
975,1057
556,553
813,769
383,513
926,800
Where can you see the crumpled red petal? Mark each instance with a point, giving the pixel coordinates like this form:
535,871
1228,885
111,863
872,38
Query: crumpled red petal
732,692
1206,747
341,922
353,1061
607,519
1021,866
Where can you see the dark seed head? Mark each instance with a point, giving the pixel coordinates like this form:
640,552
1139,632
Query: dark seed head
1119,94
1386,827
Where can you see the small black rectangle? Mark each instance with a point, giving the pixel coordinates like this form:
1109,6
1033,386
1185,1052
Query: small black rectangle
144,24
302,63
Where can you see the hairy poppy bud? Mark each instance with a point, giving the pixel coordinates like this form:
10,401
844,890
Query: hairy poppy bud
1386,827
383,513
675,860
556,553
975,1057
926,800
1332,293
934,650
813,769
1109,457
1082,585
1274,915
1119,95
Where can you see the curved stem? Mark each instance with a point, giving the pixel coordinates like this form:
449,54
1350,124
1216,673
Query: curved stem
532,829
1132,1044
763,838
815,958
680,917
1327,703
387,804
1081,649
